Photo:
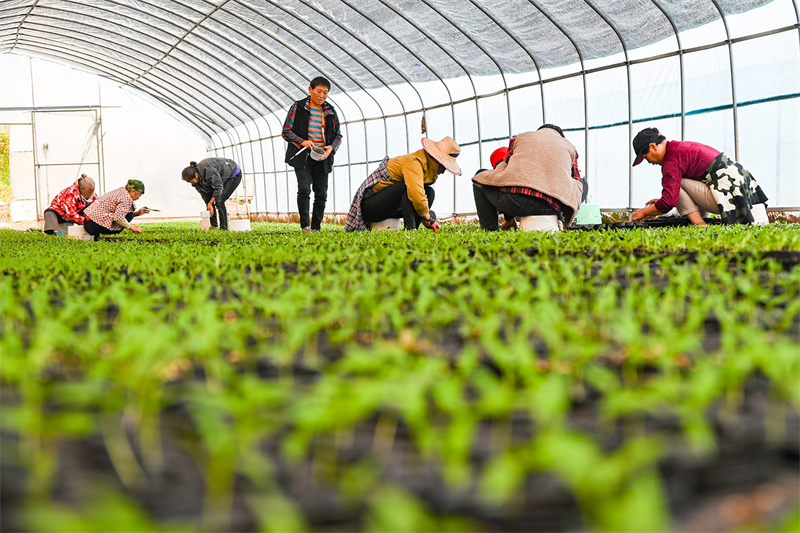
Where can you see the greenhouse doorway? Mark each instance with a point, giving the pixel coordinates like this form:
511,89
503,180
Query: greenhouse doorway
67,143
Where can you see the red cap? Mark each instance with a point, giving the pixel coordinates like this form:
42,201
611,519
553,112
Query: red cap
498,155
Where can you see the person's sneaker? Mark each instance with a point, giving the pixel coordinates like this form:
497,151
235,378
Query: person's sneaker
58,233
307,229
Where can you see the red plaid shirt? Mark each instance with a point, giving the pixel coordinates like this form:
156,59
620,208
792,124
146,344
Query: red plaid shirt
69,203
576,175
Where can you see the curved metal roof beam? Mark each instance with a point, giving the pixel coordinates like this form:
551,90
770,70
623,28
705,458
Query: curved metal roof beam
352,56
117,74
185,35
347,75
680,60
410,52
320,70
289,65
578,51
188,66
313,64
630,103
221,61
265,77
324,54
733,79
251,119
524,48
379,54
21,23
250,64
566,34
50,52
385,84
446,52
259,136
499,69
191,101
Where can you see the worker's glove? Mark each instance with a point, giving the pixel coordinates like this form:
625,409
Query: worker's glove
431,223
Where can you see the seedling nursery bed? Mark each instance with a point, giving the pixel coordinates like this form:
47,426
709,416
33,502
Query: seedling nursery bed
644,379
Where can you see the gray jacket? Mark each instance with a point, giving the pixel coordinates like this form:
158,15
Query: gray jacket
213,172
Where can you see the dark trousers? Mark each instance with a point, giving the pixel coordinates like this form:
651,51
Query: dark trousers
489,200
312,176
393,202
93,228
228,186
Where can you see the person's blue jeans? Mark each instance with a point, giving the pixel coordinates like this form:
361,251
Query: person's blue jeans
489,200
312,177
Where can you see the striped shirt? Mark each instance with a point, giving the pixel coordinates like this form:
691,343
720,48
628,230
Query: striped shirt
316,126
113,205
330,114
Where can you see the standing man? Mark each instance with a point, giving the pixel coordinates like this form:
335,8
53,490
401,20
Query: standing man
215,178
695,178
312,132
68,205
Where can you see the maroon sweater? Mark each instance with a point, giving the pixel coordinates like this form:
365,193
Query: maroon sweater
683,159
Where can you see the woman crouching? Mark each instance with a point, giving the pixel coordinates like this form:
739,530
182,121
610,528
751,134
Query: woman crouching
113,212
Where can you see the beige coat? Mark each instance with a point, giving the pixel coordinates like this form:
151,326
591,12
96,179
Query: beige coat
542,160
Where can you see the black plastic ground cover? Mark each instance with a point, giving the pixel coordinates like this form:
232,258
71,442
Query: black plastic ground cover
660,222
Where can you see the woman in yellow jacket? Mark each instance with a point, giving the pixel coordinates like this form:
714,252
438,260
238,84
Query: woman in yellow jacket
401,187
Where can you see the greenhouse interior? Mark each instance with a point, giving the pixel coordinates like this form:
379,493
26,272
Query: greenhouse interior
426,284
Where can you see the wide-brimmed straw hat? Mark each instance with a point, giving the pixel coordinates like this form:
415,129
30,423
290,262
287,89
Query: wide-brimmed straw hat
445,152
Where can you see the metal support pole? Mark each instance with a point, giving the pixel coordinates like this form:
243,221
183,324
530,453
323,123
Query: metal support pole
733,79
33,133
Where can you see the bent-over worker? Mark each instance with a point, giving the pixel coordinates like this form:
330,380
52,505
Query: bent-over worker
402,187
695,178
68,205
538,176
113,212
215,178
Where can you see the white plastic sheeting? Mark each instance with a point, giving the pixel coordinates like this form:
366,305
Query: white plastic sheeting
479,70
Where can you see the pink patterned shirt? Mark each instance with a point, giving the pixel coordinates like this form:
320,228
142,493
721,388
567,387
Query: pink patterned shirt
113,205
